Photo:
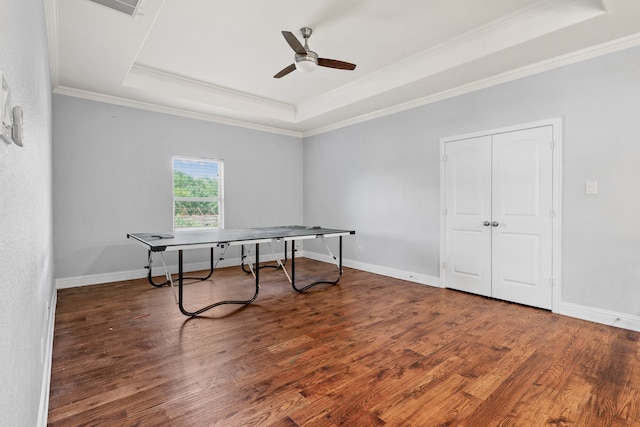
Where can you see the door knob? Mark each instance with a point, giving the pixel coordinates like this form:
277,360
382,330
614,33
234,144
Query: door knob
494,223
487,223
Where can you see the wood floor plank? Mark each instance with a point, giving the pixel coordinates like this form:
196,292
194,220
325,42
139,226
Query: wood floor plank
369,351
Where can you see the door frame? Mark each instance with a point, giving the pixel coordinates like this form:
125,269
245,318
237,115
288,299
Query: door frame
556,213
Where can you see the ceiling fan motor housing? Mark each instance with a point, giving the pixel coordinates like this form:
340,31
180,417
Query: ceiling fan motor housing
307,62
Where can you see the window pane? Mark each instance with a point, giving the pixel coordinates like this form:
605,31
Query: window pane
197,189
196,214
195,178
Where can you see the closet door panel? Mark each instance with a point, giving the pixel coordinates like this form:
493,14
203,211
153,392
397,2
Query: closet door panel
468,208
521,216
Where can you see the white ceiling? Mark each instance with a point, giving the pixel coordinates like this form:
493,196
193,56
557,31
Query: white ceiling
215,60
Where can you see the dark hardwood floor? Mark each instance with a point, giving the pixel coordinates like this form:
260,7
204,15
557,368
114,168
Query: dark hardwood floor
370,351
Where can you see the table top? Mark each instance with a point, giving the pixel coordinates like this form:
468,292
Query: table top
191,239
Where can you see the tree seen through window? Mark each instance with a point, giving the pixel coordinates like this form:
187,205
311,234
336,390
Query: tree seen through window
197,188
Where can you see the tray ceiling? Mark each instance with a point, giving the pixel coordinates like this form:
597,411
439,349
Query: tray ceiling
215,60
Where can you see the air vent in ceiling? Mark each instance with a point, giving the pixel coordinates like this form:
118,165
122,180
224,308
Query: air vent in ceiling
125,6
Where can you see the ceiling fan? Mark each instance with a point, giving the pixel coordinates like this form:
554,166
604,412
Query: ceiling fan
307,60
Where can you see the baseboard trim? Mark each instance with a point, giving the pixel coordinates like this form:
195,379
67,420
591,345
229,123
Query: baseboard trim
423,279
592,314
597,315
119,276
43,412
96,279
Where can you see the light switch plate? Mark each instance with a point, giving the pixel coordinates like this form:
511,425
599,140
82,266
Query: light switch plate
5,110
591,187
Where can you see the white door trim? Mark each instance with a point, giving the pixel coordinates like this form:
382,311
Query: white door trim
557,124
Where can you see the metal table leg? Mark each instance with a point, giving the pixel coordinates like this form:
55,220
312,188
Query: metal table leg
203,309
166,282
293,271
243,256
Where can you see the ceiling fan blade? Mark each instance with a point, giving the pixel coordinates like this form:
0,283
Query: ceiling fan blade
334,63
294,43
285,71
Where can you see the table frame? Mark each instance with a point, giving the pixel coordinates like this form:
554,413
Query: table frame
254,270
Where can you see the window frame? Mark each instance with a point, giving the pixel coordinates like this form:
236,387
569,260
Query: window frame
219,199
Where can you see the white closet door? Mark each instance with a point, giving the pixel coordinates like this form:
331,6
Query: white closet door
468,208
521,216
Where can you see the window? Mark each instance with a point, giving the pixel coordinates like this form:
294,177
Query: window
197,193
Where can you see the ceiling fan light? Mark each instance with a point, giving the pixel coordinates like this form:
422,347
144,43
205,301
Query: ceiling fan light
306,64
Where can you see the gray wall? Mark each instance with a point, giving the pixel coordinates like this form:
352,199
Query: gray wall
26,260
381,177
112,176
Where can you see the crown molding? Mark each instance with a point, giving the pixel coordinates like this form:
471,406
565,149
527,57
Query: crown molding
540,67
109,99
509,31
51,19
178,86
529,70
